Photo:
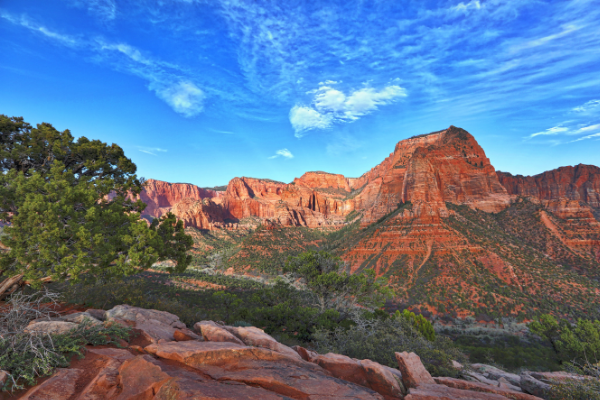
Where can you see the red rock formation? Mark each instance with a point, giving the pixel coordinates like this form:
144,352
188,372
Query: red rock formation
581,182
324,180
444,166
161,196
572,195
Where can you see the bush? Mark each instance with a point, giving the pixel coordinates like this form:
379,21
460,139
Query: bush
379,338
587,389
419,323
27,356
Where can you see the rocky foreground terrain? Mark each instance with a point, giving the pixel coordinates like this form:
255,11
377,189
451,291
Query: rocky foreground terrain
166,360
453,236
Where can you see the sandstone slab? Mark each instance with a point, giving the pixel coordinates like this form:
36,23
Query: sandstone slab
384,380
182,335
157,324
413,372
494,373
55,327
213,332
252,336
482,387
533,386
80,317
441,392
60,386
342,367
260,367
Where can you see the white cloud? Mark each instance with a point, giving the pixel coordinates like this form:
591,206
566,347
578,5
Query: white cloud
26,23
587,137
331,105
551,131
464,8
151,150
283,153
306,118
184,97
589,128
587,107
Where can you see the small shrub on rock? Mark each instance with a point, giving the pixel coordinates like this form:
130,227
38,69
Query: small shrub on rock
378,339
28,355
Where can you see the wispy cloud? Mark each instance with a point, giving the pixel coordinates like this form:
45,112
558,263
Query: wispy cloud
151,150
26,22
585,120
587,137
330,105
166,80
222,131
282,153
590,106
551,131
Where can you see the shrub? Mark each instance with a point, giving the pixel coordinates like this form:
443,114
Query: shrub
419,323
27,356
379,338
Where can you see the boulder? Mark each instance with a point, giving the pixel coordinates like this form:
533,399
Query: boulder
213,332
157,324
496,373
105,365
181,335
413,372
456,365
342,367
384,380
260,367
60,386
477,377
531,385
78,318
504,384
441,392
556,377
252,336
307,355
55,327
96,313
143,376
482,387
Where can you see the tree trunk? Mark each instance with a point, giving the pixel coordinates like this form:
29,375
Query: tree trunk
10,285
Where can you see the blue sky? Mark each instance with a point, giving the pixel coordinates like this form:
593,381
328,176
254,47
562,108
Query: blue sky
203,91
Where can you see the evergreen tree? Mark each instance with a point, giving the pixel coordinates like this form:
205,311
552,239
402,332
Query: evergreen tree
71,210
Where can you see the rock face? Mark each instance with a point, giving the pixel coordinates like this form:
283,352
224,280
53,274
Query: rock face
581,182
443,166
161,196
572,195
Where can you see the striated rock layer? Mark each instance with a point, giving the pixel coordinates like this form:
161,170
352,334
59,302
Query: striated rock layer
571,195
445,166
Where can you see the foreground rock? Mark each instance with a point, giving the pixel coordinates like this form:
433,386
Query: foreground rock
253,336
47,327
384,380
482,387
156,324
260,367
169,361
413,372
423,387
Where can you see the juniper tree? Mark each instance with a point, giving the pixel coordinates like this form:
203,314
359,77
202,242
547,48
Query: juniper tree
71,210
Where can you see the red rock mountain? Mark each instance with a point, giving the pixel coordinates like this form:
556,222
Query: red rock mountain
445,166
450,233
